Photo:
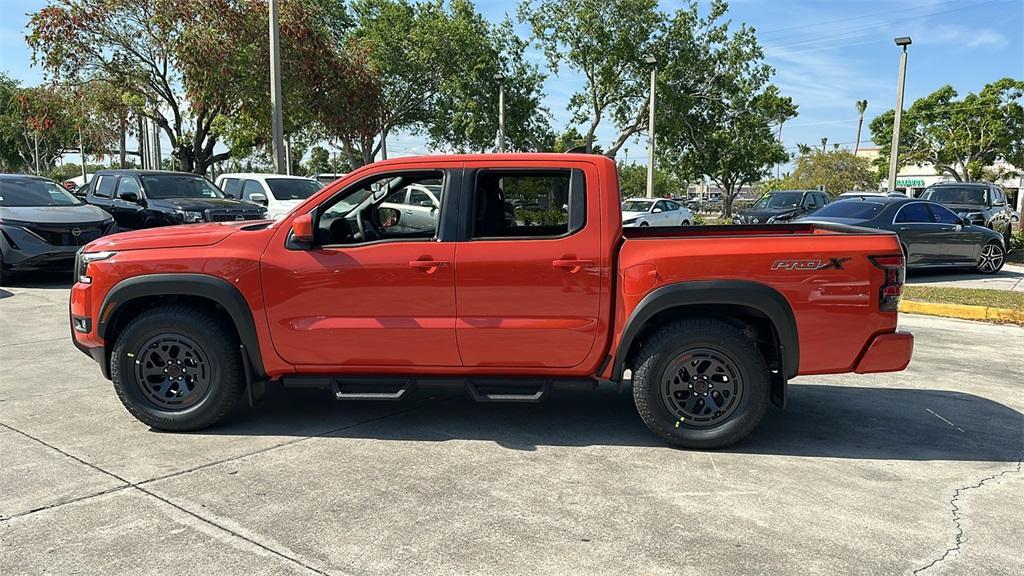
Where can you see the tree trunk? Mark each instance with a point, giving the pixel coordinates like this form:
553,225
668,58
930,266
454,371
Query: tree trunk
856,146
122,140
727,198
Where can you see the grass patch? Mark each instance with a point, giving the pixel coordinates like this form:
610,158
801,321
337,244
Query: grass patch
969,296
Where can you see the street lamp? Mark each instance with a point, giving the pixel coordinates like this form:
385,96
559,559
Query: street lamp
277,123
652,62
501,111
903,42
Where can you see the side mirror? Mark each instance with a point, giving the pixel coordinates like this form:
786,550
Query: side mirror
656,211
387,217
302,228
130,197
426,204
258,198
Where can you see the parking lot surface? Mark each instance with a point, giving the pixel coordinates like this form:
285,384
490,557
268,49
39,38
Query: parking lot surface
914,472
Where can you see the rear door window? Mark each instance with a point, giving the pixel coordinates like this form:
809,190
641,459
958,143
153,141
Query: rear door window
232,187
528,204
942,215
105,185
914,213
251,187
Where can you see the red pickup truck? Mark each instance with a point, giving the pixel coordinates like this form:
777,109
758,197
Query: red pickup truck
507,275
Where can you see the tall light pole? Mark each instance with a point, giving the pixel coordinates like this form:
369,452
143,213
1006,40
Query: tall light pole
903,42
652,61
501,111
277,123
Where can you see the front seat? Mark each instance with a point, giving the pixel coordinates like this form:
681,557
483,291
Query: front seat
490,210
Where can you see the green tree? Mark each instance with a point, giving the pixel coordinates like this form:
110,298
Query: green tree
718,108
837,170
959,137
193,67
862,107
607,43
633,182
319,161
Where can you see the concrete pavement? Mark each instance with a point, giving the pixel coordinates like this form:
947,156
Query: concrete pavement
881,474
1011,277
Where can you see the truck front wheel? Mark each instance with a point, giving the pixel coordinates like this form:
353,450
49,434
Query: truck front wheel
701,383
177,368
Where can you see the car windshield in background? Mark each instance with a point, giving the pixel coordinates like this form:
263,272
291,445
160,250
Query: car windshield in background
179,186
292,188
955,195
851,209
779,200
34,192
635,206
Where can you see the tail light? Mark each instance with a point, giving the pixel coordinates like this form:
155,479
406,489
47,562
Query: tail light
892,287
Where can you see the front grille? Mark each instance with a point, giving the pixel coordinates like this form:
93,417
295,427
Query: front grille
67,234
232,216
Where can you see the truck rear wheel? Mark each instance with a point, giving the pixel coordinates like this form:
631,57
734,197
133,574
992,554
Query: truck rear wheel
177,368
701,383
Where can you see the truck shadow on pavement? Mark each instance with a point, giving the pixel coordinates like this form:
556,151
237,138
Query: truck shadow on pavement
820,421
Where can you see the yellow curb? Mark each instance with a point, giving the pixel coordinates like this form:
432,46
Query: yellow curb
963,311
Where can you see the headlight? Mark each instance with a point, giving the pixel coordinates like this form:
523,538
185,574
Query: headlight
629,221
82,262
188,216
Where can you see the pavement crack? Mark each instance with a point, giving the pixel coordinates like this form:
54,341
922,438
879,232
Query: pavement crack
960,536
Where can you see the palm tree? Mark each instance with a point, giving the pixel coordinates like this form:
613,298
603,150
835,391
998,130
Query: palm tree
803,149
824,142
862,106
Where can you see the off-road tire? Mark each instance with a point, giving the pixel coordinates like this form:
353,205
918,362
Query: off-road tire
663,347
214,338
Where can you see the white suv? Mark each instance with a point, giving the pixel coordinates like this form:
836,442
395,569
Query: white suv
279,193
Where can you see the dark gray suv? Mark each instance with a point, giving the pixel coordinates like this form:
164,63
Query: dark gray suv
42,225
980,203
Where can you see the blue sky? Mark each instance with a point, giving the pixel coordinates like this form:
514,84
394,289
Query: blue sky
827,54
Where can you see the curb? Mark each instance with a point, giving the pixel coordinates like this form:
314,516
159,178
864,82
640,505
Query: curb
963,311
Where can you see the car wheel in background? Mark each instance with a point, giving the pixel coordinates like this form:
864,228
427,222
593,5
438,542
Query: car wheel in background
993,256
700,383
644,224
177,368
685,223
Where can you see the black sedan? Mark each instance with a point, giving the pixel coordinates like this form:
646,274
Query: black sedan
931,235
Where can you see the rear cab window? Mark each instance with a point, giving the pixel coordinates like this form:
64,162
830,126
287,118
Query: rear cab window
542,203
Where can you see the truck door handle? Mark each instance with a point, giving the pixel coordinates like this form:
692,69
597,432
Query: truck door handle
427,264
571,265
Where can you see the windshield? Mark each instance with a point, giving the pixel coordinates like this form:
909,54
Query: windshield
779,200
179,186
292,188
956,195
34,192
852,209
636,206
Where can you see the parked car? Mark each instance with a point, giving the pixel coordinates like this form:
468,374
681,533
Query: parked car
781,206
326,178
857,194
418,205
277,192
655,212
42,225
930,234
147,199
711,324
981,203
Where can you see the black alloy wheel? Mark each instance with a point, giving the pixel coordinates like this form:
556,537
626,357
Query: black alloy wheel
701,386
172,372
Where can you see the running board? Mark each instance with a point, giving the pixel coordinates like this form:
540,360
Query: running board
480,389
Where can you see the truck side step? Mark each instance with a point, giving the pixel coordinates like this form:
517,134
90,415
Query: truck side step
508,391
371,389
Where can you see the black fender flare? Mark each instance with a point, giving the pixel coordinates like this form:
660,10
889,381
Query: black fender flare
212,288
760,297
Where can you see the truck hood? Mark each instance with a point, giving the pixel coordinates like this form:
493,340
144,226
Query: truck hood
182,236
84,214
763,214
201,204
